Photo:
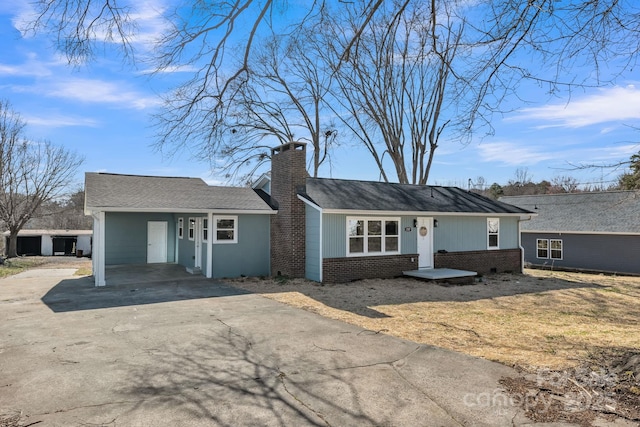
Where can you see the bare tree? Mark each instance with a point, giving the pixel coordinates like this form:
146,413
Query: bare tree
564,184
282,99
63,213
420,70
31,173
522,177
200,34
469,49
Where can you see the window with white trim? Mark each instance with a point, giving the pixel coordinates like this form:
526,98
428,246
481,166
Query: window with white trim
180,228
493,233
192,229
549,248
205,229
556,248
226,229
542,246
373,236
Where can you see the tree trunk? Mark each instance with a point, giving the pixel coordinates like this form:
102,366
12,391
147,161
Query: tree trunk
12,250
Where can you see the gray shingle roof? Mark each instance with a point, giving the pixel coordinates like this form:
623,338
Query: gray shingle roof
341,194
135,192
605,212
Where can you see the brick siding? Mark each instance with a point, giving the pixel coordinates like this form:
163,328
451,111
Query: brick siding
482,262
340,270
288,176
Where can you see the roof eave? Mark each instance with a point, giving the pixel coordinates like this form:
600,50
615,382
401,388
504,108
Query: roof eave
611,233
94,209
422,213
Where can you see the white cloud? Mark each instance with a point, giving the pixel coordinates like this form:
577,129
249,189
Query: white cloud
57,120
171,69
150,21
95,92
521,154
147,16
608,105
32,67
23,13
513,154
609,153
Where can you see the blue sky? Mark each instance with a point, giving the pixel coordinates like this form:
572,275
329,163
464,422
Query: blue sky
103,111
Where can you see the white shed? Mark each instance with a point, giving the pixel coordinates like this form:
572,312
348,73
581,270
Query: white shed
53,242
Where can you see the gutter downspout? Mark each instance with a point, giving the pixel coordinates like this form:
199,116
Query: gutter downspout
520,242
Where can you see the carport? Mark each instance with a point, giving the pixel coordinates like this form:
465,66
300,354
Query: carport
129,274
212,231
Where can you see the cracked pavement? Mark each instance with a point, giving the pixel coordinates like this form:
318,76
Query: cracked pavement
189,351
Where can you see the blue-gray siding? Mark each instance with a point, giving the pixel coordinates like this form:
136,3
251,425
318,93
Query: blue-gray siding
250,256
334,234
126,243
608,253
312,244
126,237
453,234
469,233
408,239
186,247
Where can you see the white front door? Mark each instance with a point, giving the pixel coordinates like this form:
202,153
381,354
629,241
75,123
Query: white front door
198,242
425,242
156,241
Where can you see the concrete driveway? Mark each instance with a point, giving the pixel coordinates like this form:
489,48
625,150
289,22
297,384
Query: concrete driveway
181,350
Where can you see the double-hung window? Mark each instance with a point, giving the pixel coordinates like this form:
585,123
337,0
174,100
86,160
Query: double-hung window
542,246
493,233
556,248
373,236
226,229
549,248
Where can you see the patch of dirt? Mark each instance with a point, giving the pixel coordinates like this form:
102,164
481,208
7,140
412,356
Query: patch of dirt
10,419
606,386
62,262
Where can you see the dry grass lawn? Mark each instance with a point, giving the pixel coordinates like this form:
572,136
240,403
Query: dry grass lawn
17,265
540,319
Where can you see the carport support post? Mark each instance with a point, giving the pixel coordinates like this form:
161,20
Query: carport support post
210,245
98,255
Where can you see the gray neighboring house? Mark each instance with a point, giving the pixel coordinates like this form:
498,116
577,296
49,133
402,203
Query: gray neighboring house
326,230
597,232
215,231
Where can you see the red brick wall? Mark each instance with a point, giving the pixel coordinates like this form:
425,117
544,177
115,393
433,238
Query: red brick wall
482,262
288,176
340,270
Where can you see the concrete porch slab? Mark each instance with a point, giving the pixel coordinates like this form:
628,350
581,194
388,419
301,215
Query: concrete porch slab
439,273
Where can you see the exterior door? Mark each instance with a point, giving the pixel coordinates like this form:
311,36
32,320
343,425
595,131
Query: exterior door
156,241
425,242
